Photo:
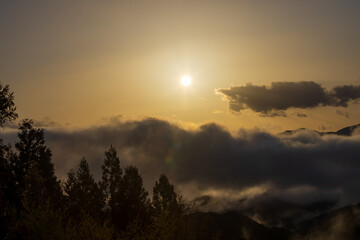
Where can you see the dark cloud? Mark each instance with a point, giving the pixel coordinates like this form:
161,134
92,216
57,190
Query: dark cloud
210,158
281,96
341,95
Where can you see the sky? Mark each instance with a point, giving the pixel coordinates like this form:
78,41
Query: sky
78,63
101,73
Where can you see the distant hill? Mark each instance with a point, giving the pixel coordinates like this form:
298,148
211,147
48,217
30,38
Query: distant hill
340,224
343,223
346,131
280,213
228,226
271,212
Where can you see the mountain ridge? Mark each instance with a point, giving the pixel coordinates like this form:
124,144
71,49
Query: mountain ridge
346,131
342,223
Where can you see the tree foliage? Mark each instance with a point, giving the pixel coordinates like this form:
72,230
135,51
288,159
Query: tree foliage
168,210
134,203
7,105
32,166
111,178
83,194
8,196
165,198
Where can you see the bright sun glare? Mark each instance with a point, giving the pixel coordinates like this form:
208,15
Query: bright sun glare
186,81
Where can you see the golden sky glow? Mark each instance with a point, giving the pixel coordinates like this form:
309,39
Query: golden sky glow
79,63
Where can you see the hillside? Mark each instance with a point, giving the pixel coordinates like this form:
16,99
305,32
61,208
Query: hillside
343,223
228,226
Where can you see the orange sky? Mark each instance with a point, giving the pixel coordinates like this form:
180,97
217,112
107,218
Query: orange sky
79,63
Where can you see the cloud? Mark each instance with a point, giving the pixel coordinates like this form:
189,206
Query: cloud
211,158
10,125
342,113
274,114
281,96
322,127
301,115
45,122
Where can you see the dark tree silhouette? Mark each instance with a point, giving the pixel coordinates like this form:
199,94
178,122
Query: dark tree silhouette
135,204
8,196
111,175
111,184
72,196
83,194
164,197
168,210
7,105
32,166
7,179
32,204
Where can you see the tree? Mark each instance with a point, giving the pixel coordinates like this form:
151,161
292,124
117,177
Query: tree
7,180
135,204
89,228
7,105
39,222
111,185
111,177
8,197
168,210
83,194
33,169
164,197
72,198
7,112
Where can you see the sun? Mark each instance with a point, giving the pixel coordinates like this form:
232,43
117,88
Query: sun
186,81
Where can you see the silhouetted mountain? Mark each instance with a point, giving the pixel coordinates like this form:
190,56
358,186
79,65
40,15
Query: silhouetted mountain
291,132
228,226
343,223
346,131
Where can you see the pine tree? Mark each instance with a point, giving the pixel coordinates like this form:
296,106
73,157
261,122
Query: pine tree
111,185
168,210
111,177
164,197
72,199
32,166
83,195
135,204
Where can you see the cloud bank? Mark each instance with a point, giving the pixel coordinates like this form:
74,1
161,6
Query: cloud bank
280,96
300,166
